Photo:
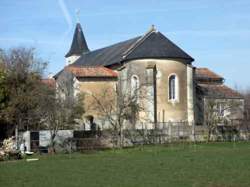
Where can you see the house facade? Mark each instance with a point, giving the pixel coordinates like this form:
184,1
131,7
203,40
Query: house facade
155,70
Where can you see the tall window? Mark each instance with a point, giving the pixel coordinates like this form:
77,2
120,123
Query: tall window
221,109
134,85
173,90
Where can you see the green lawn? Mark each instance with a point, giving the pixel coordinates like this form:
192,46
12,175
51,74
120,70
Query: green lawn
214,165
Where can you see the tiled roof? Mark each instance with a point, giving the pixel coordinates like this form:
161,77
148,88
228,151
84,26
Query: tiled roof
49,82
151,45
206,75
97,71
218,91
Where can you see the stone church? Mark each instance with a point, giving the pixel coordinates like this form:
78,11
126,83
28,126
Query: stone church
177,89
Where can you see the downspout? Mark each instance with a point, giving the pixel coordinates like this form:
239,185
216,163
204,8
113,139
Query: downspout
155,95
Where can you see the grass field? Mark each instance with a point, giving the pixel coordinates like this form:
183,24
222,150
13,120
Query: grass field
214,165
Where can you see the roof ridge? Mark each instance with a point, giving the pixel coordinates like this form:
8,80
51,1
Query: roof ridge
138,42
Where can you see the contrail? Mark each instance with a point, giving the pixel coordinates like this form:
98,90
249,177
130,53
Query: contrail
66,16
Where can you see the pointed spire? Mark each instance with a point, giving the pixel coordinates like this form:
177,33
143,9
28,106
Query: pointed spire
79,44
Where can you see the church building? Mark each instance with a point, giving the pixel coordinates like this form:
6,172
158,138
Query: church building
172,88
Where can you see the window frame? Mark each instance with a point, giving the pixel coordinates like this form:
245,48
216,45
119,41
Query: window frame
176,88
134,89
221,109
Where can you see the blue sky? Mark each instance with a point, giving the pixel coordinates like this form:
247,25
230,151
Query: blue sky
214,32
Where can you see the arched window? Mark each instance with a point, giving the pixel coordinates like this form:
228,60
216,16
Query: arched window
134,85
173,88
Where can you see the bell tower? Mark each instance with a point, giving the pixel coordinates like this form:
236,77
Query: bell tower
78,46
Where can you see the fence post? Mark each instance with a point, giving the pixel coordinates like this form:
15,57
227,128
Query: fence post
193,132
178,131
169,132
70,152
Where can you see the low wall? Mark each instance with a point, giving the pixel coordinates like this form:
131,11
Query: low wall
61,136
43,138
164,133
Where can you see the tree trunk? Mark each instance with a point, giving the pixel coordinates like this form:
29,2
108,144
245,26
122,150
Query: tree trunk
52,144
16,135
209,135
121,137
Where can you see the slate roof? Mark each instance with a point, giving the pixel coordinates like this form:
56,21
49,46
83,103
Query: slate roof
151,45
205,75
92,71
79,45
218,91
105,56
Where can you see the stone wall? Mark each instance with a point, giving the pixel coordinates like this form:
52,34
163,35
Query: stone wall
104,89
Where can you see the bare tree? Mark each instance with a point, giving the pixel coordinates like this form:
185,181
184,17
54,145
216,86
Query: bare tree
246,120
220,111
61,109
120,108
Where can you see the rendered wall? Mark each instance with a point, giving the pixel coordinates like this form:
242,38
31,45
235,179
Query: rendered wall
166,110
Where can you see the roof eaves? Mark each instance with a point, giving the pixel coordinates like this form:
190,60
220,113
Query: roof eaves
223,97
188,60
98,76
56,75
206,74
211,92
